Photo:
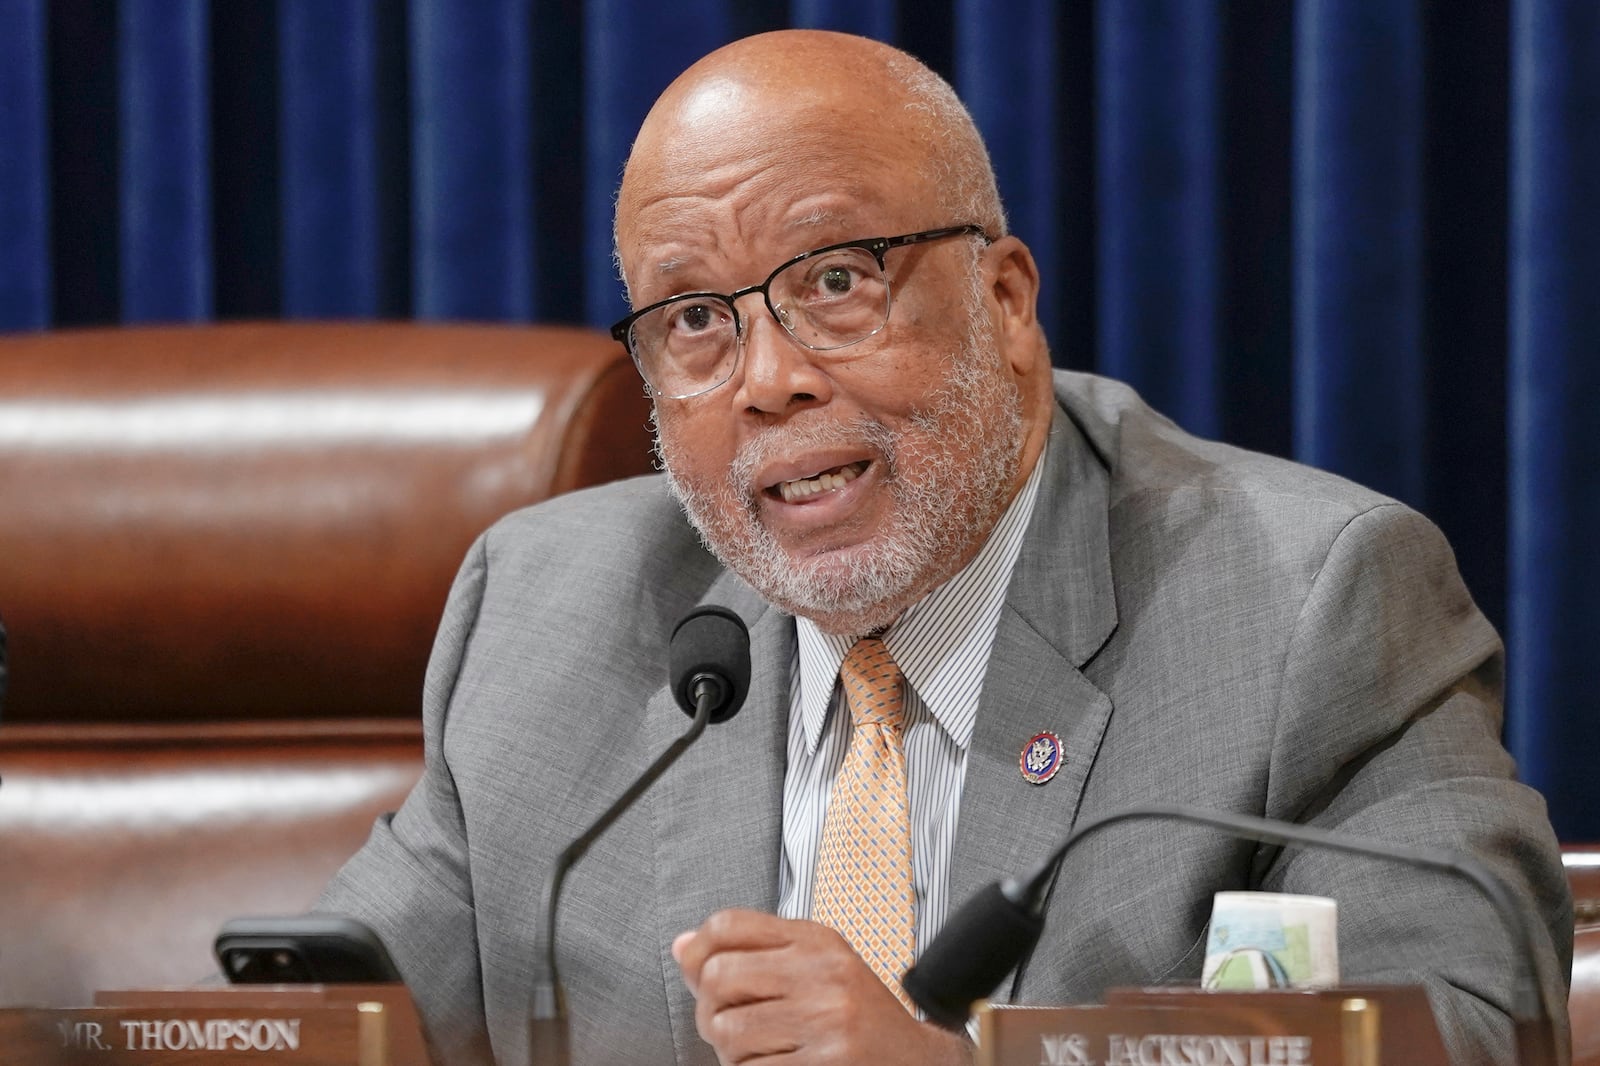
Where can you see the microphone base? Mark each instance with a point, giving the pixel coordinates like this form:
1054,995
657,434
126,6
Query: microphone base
548,1038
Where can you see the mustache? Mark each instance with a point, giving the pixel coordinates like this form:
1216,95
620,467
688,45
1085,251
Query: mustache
776,441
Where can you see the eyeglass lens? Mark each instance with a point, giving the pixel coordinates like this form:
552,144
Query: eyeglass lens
824,301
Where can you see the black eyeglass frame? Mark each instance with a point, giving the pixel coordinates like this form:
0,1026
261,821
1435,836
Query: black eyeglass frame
877,247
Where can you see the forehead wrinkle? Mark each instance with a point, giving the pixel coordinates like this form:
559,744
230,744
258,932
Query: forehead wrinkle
690,221
814,219
677,210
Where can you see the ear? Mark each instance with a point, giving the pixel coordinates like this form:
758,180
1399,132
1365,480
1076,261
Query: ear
1015,291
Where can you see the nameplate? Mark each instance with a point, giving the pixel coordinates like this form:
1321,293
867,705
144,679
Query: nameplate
1197,1031
1406,1030
344,1035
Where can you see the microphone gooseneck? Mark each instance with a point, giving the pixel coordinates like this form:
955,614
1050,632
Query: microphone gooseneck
709,667
996,930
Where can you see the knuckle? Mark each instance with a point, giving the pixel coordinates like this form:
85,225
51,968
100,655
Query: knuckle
705,1020
714,974
724,1028
720,925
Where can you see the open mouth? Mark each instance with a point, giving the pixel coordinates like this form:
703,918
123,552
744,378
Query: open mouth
827,481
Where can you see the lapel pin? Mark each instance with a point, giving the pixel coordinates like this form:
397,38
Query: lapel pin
1041,758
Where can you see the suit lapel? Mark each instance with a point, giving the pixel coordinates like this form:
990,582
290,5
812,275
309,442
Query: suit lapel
718,813
1060,610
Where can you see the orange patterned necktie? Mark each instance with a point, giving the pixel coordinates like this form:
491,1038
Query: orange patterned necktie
863,884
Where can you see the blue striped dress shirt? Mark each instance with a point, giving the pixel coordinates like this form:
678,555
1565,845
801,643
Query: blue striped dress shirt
942,644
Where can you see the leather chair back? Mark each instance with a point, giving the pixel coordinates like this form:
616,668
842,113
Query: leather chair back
251,521
124,849
223,554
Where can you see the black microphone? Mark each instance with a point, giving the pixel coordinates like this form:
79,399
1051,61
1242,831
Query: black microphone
996,930
709,657
709,665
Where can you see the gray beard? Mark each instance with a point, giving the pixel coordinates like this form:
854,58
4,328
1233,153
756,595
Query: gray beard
946,503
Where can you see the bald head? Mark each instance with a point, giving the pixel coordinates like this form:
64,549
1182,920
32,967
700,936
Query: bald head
819,106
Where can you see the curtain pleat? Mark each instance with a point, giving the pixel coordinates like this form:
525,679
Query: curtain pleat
85,232
640,45
1255,291
1555,403
329,119
1363,233
473,168
869,18
1465,218
1158,204
247,204
25,268
1006,73
1358,278
165,116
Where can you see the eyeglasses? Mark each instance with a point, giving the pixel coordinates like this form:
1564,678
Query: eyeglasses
827,299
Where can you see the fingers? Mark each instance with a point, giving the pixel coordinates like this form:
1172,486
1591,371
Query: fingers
748,1031
729,931
750,1007
769,989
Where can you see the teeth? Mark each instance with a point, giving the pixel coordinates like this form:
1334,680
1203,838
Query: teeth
800,488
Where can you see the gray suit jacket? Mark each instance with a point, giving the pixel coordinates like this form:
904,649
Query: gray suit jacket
1198,624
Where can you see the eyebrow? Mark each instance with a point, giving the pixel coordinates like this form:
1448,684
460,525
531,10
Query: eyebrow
820,216
813,219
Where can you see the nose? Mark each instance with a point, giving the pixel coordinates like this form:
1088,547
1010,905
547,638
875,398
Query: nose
778,374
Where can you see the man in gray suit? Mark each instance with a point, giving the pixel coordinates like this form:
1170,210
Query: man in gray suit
870,442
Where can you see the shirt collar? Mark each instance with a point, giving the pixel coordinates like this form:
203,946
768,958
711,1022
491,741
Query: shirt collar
941,642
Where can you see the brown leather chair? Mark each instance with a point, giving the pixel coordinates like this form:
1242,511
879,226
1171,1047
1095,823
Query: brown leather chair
223,553
123,849
1583,1003
262,520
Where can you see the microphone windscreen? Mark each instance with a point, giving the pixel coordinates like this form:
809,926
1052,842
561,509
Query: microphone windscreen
982,942
710,643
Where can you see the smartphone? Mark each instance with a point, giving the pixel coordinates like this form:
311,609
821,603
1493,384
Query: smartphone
309,949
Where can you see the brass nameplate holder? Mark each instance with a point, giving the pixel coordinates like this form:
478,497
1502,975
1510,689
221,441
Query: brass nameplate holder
303,1025
1178,1027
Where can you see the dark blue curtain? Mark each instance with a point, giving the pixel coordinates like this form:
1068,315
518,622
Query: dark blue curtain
1553,620
1363,233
